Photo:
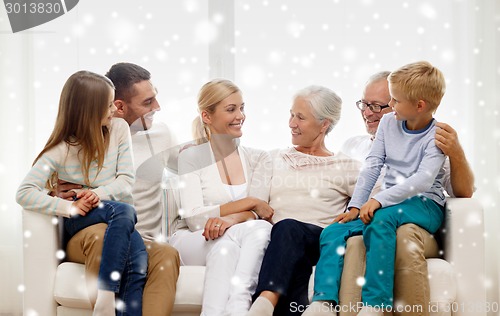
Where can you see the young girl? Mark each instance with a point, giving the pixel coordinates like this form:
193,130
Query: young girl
89,147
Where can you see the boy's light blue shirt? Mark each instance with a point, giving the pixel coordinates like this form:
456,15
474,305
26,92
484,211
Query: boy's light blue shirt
413,165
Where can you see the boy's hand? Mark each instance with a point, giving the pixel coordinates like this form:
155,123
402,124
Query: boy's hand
368,209
90,196
347,217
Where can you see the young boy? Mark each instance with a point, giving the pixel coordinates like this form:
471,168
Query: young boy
411,191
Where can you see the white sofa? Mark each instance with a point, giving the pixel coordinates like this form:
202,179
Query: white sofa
52,288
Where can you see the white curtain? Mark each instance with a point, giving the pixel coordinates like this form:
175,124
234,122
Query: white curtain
16,152
485,44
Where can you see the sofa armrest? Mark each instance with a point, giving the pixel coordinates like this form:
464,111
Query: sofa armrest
40,244
465,250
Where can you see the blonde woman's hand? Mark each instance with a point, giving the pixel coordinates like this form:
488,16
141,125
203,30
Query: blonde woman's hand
347,217
216,227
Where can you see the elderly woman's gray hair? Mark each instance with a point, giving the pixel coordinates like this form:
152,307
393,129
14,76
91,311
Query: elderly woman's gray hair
325,104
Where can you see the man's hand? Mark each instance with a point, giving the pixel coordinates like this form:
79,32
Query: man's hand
64,189
461,175
368,209
347,217
447,140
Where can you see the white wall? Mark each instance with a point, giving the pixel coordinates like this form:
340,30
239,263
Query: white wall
271,49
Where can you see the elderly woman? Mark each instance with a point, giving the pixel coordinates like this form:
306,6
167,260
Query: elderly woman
310,187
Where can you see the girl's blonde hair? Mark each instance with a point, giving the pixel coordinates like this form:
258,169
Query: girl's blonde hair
210,95
83,105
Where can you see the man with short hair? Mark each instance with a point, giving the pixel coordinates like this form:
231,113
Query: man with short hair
153,146
414,244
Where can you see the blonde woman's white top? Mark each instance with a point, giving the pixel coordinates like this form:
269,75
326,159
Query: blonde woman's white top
202,191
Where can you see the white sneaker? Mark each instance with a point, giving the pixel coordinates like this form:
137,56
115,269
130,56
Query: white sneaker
261,307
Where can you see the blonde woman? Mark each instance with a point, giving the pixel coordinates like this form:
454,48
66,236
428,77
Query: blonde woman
224,193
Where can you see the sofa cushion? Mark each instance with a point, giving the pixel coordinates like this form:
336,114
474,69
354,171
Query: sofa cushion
442,281
189,293
70,288
66,311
